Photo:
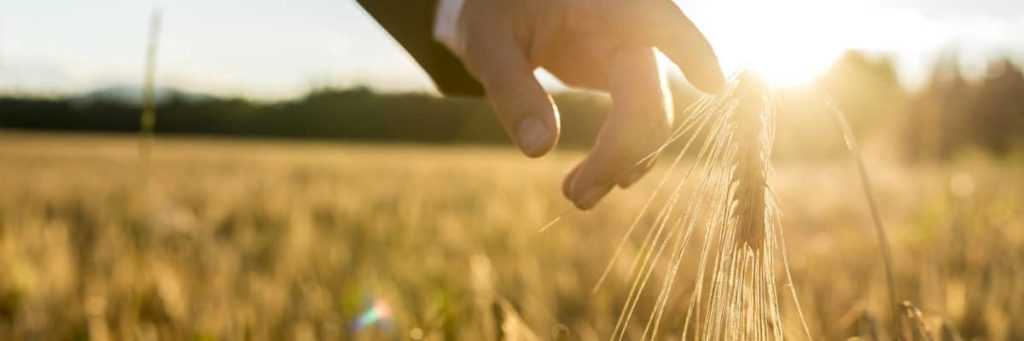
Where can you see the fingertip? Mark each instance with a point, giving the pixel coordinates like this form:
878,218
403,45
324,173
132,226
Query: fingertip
567,183
582,194
708,79
535,137
585,186
591,196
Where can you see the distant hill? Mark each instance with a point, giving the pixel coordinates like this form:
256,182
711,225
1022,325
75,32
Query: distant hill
132,95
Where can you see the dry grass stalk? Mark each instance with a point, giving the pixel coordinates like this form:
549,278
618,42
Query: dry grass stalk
839,119
148,118
918,328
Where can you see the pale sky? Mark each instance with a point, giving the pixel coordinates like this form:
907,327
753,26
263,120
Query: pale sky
280,49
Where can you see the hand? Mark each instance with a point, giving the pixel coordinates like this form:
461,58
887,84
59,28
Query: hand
608,45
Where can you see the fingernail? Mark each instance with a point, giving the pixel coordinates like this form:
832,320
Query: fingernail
590,198
533,136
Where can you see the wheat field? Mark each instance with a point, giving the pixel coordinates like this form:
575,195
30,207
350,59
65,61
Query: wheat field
266,240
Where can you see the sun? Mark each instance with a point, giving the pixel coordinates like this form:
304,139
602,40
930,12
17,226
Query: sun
788,71
790,43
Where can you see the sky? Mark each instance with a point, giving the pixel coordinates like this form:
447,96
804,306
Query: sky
277,49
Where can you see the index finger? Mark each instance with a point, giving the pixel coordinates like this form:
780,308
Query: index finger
639,123
667,28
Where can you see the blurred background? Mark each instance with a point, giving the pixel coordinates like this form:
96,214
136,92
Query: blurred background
307,182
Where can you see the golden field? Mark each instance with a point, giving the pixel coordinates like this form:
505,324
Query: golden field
225,240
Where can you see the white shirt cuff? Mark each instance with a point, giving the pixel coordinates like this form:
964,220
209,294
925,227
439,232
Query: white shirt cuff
446,25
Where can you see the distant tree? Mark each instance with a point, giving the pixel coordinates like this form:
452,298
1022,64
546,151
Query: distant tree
998,108
939,112
867,89
951,114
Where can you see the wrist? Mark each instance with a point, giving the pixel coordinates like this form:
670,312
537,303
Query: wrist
447,30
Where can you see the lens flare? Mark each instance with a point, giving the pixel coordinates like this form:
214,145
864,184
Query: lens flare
379,312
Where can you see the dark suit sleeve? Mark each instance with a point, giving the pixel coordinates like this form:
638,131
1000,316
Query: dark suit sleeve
411,23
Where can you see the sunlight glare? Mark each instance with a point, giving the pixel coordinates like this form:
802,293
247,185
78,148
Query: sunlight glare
788,42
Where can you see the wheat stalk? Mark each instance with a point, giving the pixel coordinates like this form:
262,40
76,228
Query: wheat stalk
734,296
751,173
742,301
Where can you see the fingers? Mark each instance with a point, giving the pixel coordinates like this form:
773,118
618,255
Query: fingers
668,29
526,111
639,123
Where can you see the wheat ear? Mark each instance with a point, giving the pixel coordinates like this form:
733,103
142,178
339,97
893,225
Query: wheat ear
751,172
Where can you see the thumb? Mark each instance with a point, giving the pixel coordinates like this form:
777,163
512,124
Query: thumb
526,111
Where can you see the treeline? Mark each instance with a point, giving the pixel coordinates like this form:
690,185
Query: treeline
356,114
948,115
954,114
